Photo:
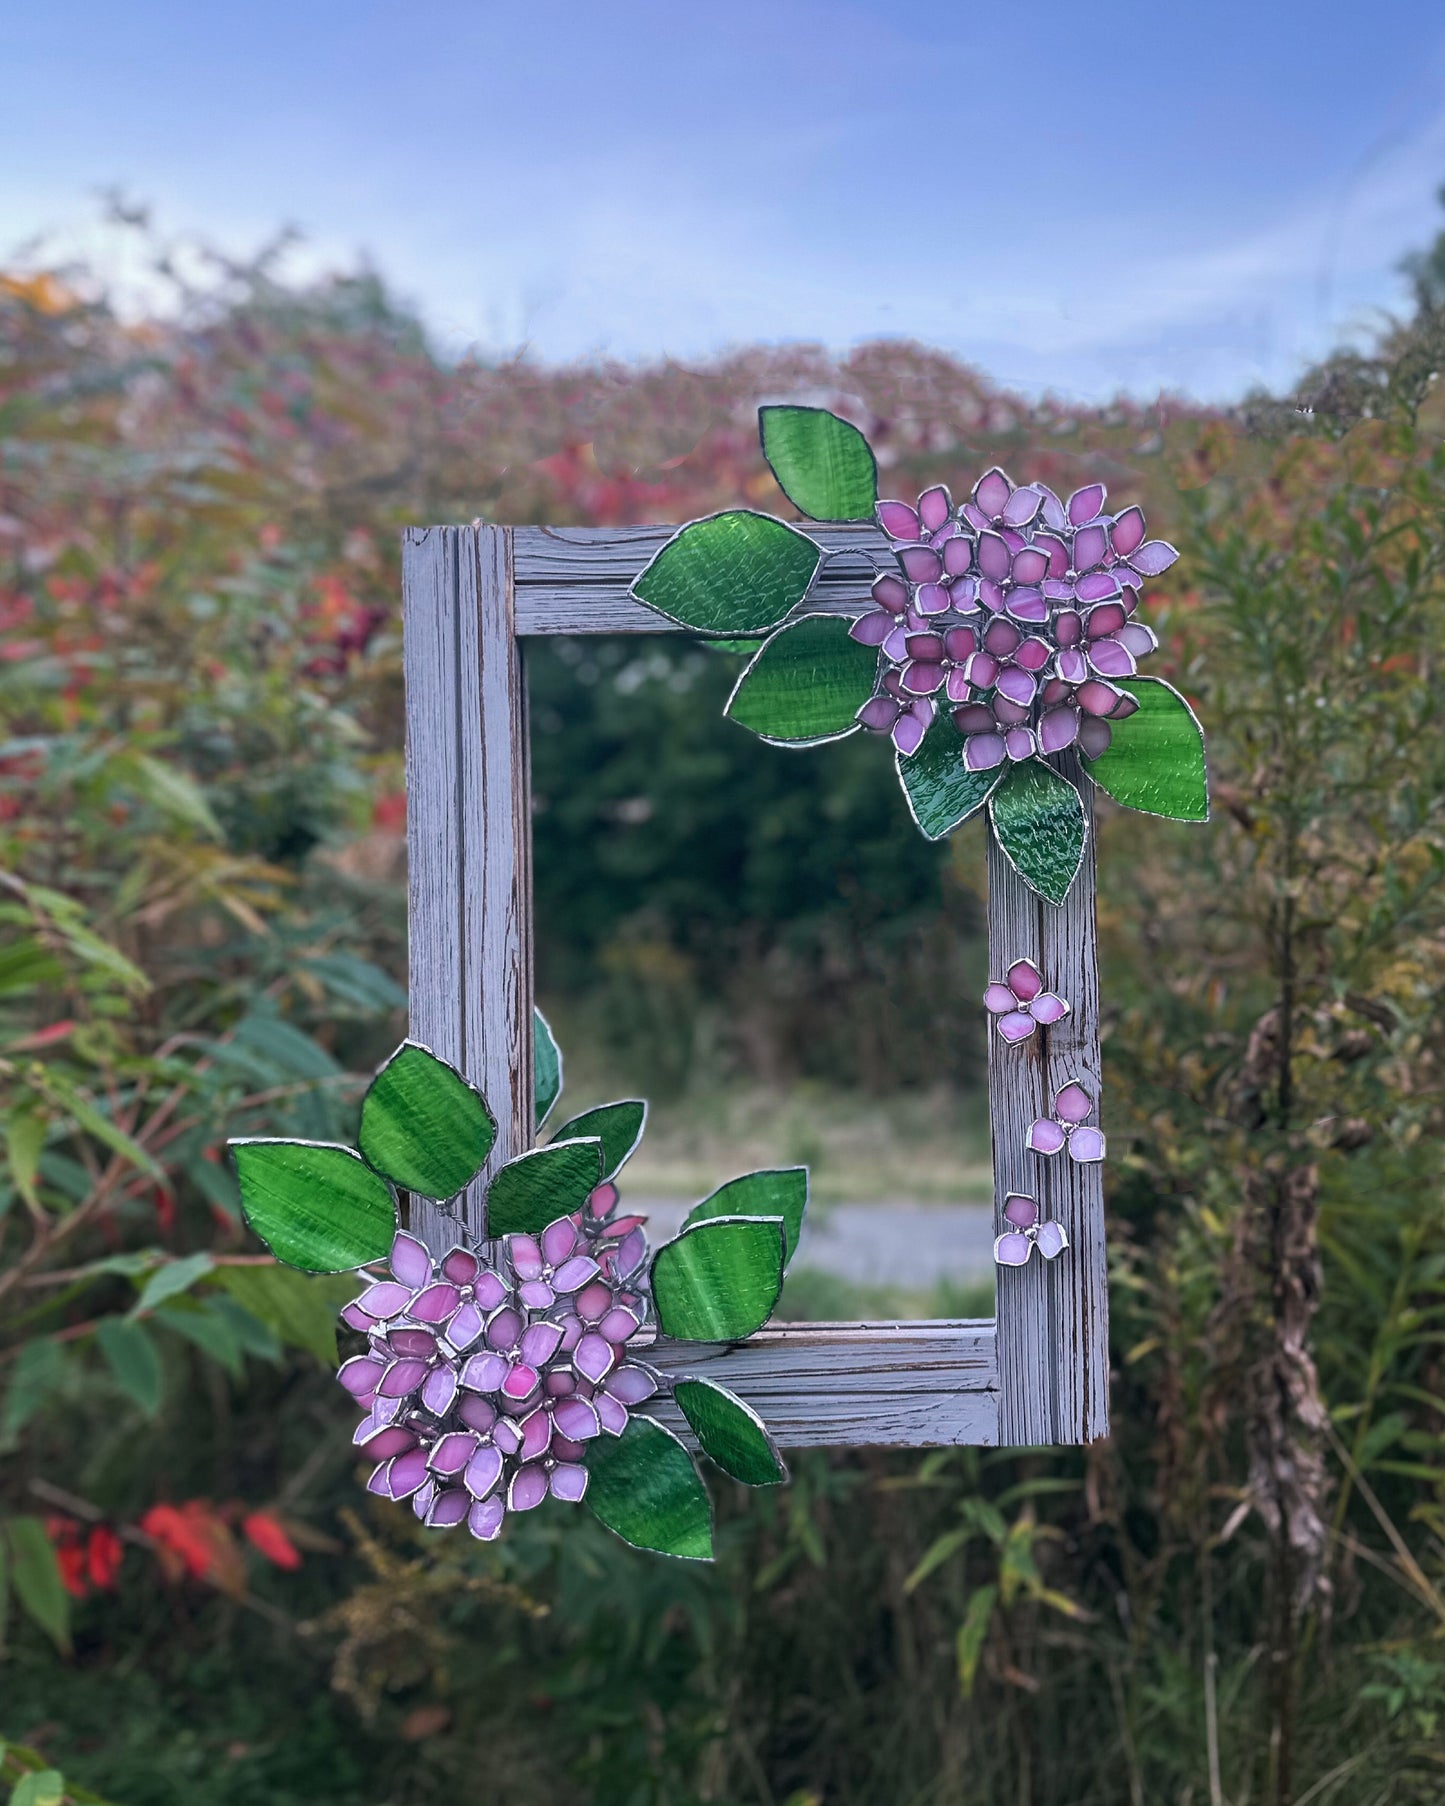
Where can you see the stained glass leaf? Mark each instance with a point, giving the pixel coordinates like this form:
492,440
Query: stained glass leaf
806,684
645,1487
730,1433
1155,761
535,1189
733,573
546,1066
1038,817
423,1125
131,1356
617,1126
942,792
719,1280
774,1192
315,1206
824,465
742,648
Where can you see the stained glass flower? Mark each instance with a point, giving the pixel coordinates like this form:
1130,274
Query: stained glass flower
1016,609
484,1379
1021,1004
1026,1232
1068,1127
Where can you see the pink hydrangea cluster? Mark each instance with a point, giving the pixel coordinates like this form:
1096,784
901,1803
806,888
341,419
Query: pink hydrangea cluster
487,1373
1016,610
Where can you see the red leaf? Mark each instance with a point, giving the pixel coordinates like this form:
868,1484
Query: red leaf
264,1532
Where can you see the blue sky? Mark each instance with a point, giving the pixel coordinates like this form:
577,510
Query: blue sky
1136,195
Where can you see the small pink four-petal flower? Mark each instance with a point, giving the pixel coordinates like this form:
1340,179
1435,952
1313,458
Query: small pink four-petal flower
1066,1128
1021,1003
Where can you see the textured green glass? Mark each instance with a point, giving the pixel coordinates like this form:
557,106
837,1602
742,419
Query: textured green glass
745,648
617,1126
718,1281
780,1191
546,1066
941,791
423,1125
132,1358
317,1207
732,573
1039,820
823,464
806,684
537,1188
645,1487
1155,761
730,1433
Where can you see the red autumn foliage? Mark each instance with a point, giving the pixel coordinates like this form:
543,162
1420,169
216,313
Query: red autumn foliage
85,1559
266,1533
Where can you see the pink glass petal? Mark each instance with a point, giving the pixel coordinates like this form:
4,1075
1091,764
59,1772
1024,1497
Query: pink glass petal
1020,744
461,1266
485,1519
934,507
360,1374
521,1382
420,1344
922,677
380,1444
536,1295
1017,684
1084,504
618,1325
385,1299
1108,617
994,558
528,1487
1046,1136
1016,1027
603,1198
1052,1240
1021,1211
1095,586
879,713
1094,736
593,1302
576,1419
1024,979
568,1482
507,1436
1127,532
536,1434
890,593
1033,654
435,1303
563,1449
1152,558
451,1453
573,1273
1058,728
422,1498
957,556
1072,1103
504,1328
354,1317
1090,546
1073,667
991,493
525,1256
1001,637
465,1327
898,520
410,1262
1048,1009
1097,698
908,733
448,1509
558,1240
632,1384
932,599
871,630
476,1413
380,1481
1007,712
1012,1250
1110,658
1140,640
998,1000
974,718
489,1290
611,1413
1022,506
1086,1145
921,564
981,752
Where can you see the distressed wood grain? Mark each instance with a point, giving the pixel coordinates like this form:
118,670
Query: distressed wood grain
886,1385
1053,1316
469,834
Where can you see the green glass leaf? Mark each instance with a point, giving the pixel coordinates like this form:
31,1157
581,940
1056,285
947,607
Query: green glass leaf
132,1358
546,1067
1155,761
743,648
940,789
537,1188
645,1487
719,1280
1038,817
423,1125
732,573
35,1575
779,1191
315,1206
617,1126
730,1433
807,683
824,465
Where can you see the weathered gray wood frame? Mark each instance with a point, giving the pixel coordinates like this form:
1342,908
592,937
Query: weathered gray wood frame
1038,1373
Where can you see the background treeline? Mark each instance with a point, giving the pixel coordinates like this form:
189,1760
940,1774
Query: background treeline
1239,1598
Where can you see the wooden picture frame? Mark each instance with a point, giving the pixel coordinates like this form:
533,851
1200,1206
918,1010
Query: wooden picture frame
1037,1373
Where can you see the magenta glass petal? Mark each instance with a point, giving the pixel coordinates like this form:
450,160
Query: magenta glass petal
1068,628
1001,637
1033,654
1094,736
401,1377
1012,1249
957,556
485,1372
890,593
354,1317
476,1413
525,1256
908,732
536,1434
528,1487
1021,1211
898,520
1058,728
618,1325
1072,1103
521,1382
360,1374
1017,1026
448,1508
1111,659
435,1303
632,1384
921,564
439,1389
465,1327
982,669
568,1481
593,1302
410,1262
1153,557
1020,744
485,1519
1097,698
1084,504
1046,1136
390,1439
934,507
991,493
1108,617
1052,1240
460,1266
1086,1145
1048,1009
611,1413
539,1343
408,1472
871,630
420,1344
504,1328
998,1000
1127,533
1024,980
